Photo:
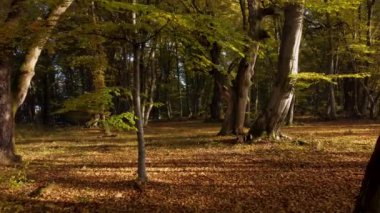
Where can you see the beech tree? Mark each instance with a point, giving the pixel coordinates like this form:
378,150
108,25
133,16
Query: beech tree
274,114
10,102
237,95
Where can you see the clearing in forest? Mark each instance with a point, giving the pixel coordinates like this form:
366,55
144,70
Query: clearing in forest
190,169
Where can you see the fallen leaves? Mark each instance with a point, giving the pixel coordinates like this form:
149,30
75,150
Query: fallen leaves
190,169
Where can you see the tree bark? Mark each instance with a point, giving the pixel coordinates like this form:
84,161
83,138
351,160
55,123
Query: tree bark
151,86
331,106
7,148
242,86
141,171
369,196
271,118
216,108
235,115
34,52
290,116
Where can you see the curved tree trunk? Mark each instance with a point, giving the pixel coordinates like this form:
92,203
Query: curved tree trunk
369,197
271,118
33,54
10,103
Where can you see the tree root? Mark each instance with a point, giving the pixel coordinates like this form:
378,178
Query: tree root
8,158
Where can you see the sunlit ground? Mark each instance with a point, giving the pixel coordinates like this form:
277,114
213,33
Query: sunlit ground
190,169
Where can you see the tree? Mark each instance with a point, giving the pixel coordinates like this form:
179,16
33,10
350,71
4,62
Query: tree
274,114
369,196
237,95
10,103
34,51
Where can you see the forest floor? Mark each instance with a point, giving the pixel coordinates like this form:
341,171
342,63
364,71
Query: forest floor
190,169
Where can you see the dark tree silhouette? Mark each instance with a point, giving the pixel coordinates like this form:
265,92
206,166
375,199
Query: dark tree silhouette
369,197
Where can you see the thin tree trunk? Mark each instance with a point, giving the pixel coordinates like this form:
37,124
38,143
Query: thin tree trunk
271,118
179,84
331,107
290,117
141,171
141,167
152,87
247,119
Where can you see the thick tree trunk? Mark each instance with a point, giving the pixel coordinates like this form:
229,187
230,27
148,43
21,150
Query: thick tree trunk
216,107
230,98
242,86
141,171
239,92
369,197
271,118
7,150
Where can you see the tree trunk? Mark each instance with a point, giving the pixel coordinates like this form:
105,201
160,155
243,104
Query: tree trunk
137,108
151,87
242,86
227,125
290,117
179,84
216,108
271,118
33,54
331,106
7,150
369,196
137,52
239,93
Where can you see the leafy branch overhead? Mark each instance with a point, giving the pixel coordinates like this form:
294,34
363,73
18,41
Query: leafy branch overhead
306,79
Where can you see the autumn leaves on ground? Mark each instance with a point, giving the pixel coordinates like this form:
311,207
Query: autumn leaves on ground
190,170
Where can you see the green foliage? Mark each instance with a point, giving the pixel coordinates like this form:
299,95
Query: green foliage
124,121
101,102
20,179
93,102
332,6
306,79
